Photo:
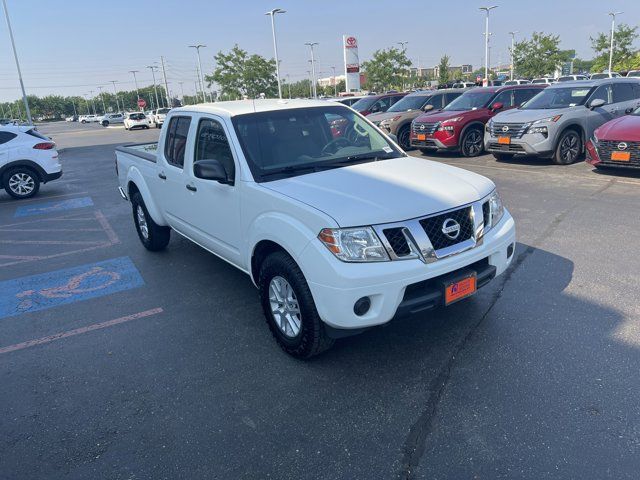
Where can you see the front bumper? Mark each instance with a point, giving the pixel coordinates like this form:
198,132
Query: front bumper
436,141
529,144
392,286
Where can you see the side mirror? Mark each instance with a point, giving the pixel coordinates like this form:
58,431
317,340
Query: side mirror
211,170
598,102
497,106
427,108
629,111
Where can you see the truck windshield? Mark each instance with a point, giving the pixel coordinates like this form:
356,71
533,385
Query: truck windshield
471,100
410,102
558,98
285,143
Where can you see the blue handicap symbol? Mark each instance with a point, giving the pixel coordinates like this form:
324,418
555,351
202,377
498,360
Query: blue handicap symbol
60,287
53,207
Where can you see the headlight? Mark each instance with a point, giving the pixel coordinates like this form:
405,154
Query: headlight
542,129
595,139
496,208
553,119
354,244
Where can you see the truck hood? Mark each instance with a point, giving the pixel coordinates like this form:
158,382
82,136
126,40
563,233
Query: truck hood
385,191
623,129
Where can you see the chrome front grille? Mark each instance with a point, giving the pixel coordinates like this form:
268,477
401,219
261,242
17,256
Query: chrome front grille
424,127
512,130
430,238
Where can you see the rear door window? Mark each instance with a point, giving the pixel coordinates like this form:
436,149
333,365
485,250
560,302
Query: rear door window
176,142
506,98
6,137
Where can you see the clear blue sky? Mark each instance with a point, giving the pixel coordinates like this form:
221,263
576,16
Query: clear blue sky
72,46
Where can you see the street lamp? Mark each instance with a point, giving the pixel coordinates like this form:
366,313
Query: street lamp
135,80
310,83
155,88
104,108
198,47
335,84
313,67
115,92
272,14
613,26
486,42
402,45
15,55
513,41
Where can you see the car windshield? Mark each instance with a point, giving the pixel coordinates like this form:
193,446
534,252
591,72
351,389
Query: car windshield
410,102
364,103
286,143
558,98
470,100
163,110
634,74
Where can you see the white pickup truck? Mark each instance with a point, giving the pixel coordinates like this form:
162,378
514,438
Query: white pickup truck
338,228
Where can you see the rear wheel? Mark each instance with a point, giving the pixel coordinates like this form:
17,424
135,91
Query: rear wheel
569,148
289,308
472,143
154,237
105,123
21,182
403,137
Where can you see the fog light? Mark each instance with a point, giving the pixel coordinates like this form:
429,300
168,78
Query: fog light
362,306
510,249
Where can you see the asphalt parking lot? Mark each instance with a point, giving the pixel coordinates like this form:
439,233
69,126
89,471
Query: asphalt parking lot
120,363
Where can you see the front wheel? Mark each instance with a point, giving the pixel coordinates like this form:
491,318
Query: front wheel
289,308
403,137
472,143
569,148
154,237
105,123
21,182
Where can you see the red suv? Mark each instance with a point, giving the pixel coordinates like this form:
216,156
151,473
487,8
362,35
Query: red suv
377,103
460,125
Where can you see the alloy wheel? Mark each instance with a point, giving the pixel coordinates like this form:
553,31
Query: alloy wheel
569,148
473,143
21,183
284,307
142,222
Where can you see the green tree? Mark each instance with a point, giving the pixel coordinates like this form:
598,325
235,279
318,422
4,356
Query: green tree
582,66
387,69
625,57
538,56
443,70
239,74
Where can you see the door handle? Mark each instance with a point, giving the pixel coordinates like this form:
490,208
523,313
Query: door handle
192,188
162,176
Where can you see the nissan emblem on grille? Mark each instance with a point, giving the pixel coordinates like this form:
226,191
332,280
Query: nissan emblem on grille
451,228
422,127
505,128
622,146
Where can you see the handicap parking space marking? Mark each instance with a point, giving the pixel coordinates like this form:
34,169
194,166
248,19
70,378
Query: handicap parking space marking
53,207
60,287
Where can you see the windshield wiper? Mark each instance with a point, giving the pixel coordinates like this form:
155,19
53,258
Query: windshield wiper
366,156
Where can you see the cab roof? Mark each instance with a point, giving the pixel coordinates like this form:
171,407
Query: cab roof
242,107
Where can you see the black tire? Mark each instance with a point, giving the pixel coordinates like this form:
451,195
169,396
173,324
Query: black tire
503,157
153,236
83,121
472,143
426,151
311,339
21,182
105,123
157,125
146,127
126,128
403,137
568,149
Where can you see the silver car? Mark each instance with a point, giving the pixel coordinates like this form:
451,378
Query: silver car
557,122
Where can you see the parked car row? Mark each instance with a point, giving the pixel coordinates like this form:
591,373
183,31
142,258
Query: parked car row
549,121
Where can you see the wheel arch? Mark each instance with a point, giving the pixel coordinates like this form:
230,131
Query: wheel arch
137,184
24,163
474,124
571,126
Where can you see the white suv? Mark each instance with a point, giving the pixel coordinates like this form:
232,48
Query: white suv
27,159
136,120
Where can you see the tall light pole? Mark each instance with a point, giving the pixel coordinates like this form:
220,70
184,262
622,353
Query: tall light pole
613,27
313,67
182,91
403,46
310,84
289,84
166,84
198,47
272,14
486,42
153,69
104,108
335,84
15,55
135,80
86,100
513,42
115,92
93,103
